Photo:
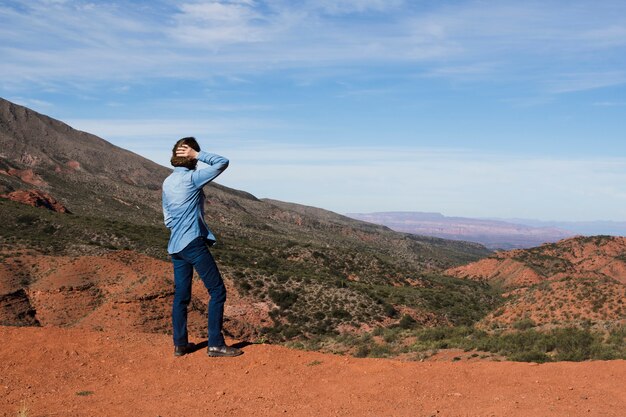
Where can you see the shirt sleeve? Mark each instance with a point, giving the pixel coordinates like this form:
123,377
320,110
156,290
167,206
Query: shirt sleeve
217,165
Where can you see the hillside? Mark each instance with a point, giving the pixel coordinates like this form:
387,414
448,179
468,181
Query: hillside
131,374
83,245
286,262
578,281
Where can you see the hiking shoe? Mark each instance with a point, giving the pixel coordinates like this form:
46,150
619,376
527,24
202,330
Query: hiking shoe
223,351
184,349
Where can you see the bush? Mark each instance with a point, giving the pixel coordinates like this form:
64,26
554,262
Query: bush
524,324
573,344
530,356
341,314
362,351
407,322
284,299
318,315
27,219
390,311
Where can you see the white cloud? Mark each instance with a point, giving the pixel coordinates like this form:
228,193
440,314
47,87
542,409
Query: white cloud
461,182
464,182
456,182
336,7
30,102
45,41
213,24
158,129
573,82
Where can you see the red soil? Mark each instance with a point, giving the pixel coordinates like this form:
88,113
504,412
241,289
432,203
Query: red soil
509,271
45,370
120,290
581,280
575,257
27,175
575,301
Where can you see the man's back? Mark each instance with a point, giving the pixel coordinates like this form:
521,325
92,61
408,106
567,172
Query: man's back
183,201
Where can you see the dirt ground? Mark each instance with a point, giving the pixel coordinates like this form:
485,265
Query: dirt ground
74,372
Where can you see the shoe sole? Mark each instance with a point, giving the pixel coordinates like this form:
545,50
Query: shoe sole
223,355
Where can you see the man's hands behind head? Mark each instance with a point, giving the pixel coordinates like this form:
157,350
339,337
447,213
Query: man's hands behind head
187,152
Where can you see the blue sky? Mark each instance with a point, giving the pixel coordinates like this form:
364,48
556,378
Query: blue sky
469,108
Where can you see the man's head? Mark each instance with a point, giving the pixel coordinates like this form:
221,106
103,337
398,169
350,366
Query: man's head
181,161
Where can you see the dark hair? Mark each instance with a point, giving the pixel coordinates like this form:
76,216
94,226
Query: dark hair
181,161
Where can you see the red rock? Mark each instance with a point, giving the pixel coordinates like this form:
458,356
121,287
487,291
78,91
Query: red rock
75,165
28,176
36,198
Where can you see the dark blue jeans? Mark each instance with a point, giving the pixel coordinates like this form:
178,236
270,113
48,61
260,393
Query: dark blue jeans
196,255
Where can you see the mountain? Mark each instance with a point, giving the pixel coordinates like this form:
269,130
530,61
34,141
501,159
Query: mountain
83,244
588,228
493,234
574,281
83,172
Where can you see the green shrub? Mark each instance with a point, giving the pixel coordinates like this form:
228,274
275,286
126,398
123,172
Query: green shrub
318,315
27,219
390,311
524,324
284,299
341,314
573,344
407,322
362,351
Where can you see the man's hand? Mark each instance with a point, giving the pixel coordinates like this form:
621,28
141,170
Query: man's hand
187,152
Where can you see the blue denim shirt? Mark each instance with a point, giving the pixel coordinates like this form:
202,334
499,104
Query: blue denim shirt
183,201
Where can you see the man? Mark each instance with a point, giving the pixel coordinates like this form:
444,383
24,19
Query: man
183,210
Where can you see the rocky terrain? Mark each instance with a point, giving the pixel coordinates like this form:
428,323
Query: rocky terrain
86,290
73,200
493,234
580,280
83,246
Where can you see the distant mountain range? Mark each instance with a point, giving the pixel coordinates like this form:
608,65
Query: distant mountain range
494,234
589,228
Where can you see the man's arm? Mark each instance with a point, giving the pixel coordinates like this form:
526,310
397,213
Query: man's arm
201,177
217,165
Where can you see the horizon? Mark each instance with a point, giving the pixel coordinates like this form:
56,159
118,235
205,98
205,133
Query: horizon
510,111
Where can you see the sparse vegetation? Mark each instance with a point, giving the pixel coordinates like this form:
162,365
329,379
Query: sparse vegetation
323,277
528,345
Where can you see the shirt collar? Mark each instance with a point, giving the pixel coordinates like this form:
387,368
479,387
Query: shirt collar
179,169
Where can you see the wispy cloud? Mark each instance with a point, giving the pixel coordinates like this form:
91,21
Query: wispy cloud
163,129
215,24
609,103
458,182
573,82
338,7
255,77
44,40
